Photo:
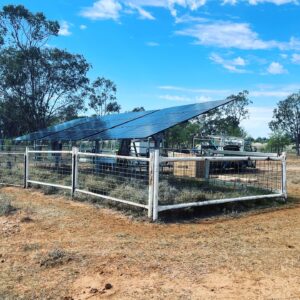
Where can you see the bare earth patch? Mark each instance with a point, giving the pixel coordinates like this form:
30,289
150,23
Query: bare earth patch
70,250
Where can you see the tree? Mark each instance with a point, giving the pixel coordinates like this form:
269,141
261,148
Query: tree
286,118
38,84
138,109
226,120
278,141
102,97
181,135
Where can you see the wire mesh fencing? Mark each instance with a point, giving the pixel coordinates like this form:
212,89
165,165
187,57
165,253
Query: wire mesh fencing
12,168
52,168
118,178
186,180
155,183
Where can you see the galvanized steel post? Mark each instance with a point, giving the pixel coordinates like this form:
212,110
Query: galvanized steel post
155,184
74,170
150,199
283,176
26,167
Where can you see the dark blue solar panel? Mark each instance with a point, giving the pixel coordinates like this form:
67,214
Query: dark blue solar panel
158,121
133,125
95,125
37,135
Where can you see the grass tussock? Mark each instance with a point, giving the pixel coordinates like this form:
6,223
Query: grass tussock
55,258
6,208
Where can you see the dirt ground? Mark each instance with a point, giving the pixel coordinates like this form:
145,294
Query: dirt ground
55,248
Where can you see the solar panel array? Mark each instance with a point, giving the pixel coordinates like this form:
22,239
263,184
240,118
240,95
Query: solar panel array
133,125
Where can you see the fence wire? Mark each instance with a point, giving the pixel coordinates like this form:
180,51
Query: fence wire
12,168
192,181
112,176
50,168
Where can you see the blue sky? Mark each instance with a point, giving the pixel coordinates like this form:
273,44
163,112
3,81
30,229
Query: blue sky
163,53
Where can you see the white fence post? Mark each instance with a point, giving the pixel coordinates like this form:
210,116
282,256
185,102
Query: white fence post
74,170
283,176
26,167
150,200
155,183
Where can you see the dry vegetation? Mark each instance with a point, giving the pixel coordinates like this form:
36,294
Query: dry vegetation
55,248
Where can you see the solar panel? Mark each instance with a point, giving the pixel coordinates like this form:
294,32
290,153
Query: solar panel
132,125
37,135
158,121
95,126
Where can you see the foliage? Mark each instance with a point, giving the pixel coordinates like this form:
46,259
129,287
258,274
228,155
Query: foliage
102,97
19,28
278,141
226,120
181,135
137,109
286,118
37,85
40,85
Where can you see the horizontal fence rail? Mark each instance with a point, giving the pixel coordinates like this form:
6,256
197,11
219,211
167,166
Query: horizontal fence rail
155,183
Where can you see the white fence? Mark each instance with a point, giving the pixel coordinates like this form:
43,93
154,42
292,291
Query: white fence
156,183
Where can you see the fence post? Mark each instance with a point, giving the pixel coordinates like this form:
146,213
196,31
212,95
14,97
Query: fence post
26,167
74,170
283,176
206,168
155,184
150,200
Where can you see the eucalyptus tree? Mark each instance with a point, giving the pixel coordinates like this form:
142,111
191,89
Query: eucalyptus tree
286,118
38,83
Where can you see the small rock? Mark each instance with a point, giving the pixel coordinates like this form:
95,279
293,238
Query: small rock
93,290
108,286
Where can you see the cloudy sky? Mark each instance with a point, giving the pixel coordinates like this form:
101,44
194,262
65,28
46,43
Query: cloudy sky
165,53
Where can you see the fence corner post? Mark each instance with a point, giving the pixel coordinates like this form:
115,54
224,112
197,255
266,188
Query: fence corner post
26,167
155,184
283,176
74,170
150,199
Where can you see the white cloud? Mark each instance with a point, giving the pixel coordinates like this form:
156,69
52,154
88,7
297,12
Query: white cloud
183,98
187,18
276,2
152,44
64,29
103,10
215,92
189,4
276,68
83,27
142,12
258,122
231,65
296,58
233,35
262,91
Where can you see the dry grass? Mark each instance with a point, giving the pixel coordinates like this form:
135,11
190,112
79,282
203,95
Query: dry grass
255,256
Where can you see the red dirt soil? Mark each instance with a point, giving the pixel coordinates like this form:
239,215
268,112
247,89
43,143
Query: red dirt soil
109,255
